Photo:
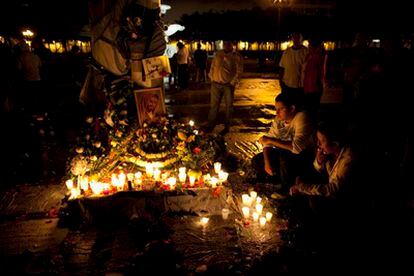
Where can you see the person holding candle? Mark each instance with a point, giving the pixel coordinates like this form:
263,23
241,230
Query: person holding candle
288,146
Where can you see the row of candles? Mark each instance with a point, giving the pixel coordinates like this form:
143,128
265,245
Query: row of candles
247,202
253,206
122,181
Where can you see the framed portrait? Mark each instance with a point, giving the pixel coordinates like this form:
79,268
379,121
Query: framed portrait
150,104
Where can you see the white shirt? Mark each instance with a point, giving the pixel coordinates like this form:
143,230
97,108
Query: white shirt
293,61
300,131
226,68
183,55
339,173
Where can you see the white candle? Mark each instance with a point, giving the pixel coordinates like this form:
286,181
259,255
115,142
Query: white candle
223,176
253,195
213,182
74,193
85,183
138,175
114,180
69,184
149,169
246,212
157,174
182,177
259,208
269,216
246,199
171,181
204,221
192,180
217,167
121,178
182,170
225,213
96,187
191,123
255,216
262,221
258,200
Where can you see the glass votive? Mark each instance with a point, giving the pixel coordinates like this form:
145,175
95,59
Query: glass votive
191,123
225,213
213,182
262,221
269,216
258,200
182,177
223,176
182,170
255,216
192,180
246,212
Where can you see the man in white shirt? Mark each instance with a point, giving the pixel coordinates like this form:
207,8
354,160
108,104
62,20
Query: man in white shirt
288,146
292,66
225,72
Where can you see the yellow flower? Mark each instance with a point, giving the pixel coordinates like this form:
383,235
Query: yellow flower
182,136
113,143
79,150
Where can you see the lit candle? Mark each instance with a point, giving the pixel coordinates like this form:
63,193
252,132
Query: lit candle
258,200
246,199
217,167
122,179
85,183
138,175
269,216
213,182
253,195
182,170
191,123
171,181
96,187
74,193
204,221
225,213
149,169
259,208
69,184
223,176
157,174
182,177
255,216
192,180
246,212
262,221
114,180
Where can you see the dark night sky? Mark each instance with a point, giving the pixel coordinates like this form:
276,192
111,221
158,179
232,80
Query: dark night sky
57,17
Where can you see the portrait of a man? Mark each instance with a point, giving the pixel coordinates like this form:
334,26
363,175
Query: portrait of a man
150,104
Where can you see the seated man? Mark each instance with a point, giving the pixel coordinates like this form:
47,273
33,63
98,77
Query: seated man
335,158
287,145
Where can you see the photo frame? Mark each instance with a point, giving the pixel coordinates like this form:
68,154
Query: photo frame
150,104
156,67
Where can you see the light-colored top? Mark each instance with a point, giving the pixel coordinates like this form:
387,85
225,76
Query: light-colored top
183,55
339,172
300,131
226,68
293,61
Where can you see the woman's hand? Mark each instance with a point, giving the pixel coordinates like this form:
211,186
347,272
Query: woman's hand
321,157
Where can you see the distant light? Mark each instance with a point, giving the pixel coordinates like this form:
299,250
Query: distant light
27,33
376,40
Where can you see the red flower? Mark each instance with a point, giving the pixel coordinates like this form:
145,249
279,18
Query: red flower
196,150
